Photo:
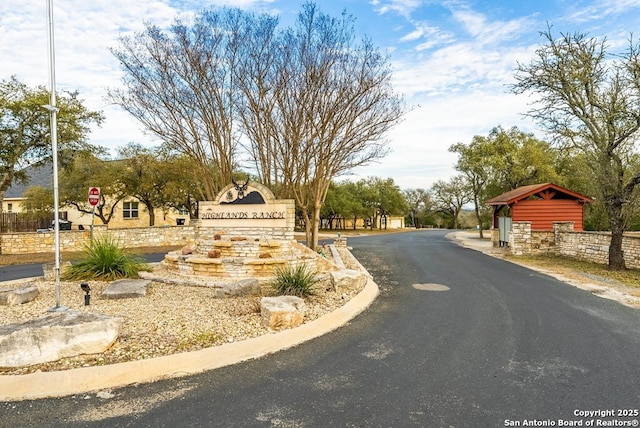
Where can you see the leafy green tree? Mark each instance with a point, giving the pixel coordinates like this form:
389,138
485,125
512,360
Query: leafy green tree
334,206
183,187
87,171
502,161
589,101
25,135
451,196
383,198
144,176
355,207
345,200
38,200
419,204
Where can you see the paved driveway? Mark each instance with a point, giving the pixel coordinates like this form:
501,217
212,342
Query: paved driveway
499,345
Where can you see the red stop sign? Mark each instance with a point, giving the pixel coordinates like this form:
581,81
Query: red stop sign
94,196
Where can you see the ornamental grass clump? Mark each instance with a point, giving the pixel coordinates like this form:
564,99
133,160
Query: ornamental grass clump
105,260
294,281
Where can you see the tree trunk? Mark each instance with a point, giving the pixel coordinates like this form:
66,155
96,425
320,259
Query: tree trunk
478,216
152,215
315,227
616,221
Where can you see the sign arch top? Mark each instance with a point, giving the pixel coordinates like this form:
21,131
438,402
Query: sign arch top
247,192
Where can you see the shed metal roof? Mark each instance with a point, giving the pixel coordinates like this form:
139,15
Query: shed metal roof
524,192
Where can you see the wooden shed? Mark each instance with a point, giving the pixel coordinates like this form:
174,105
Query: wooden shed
541,204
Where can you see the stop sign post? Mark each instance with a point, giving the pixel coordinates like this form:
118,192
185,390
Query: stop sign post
94,200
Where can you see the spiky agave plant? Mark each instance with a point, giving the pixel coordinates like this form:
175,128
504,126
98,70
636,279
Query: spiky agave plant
296,280
105,259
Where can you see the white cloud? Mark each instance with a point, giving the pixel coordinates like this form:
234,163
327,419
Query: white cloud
403,7
495,32
602,9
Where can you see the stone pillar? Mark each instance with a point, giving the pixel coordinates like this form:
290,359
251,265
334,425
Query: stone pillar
520,238
340,242
495,237
559,227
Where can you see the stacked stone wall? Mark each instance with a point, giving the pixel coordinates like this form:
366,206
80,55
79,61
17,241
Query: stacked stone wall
542,242
564,241
75,240
206,237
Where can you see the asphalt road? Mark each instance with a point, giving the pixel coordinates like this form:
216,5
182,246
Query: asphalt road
11,272
503,345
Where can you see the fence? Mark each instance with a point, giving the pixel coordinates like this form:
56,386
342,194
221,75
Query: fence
26,222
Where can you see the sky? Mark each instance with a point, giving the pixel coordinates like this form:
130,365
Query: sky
452,60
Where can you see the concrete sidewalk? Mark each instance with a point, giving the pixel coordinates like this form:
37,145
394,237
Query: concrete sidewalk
471,239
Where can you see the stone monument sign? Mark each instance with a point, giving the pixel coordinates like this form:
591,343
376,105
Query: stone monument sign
248,209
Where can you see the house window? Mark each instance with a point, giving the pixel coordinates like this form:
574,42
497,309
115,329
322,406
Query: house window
9,208
130,209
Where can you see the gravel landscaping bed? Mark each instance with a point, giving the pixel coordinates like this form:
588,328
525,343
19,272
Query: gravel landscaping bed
168,320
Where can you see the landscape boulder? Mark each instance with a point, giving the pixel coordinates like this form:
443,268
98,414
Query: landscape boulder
19,295
347,280
126,288
244,287
56,335
282,312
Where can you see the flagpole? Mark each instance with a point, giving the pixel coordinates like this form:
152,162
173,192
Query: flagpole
53,110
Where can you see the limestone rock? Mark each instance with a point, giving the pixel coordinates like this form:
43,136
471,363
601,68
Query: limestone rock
244,287
18,296
54,336
186,250
282,312
213,254
126,288
347,280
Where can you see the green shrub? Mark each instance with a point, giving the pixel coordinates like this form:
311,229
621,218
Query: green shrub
294,281
104,259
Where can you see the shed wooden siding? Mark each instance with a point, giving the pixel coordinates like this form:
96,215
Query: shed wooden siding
543,212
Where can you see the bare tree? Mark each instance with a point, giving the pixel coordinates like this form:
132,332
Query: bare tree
179,85
309,103
323,110
590,103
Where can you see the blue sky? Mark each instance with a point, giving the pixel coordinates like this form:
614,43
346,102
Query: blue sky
453,60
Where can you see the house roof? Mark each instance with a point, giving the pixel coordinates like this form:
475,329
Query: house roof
524,192
41,175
